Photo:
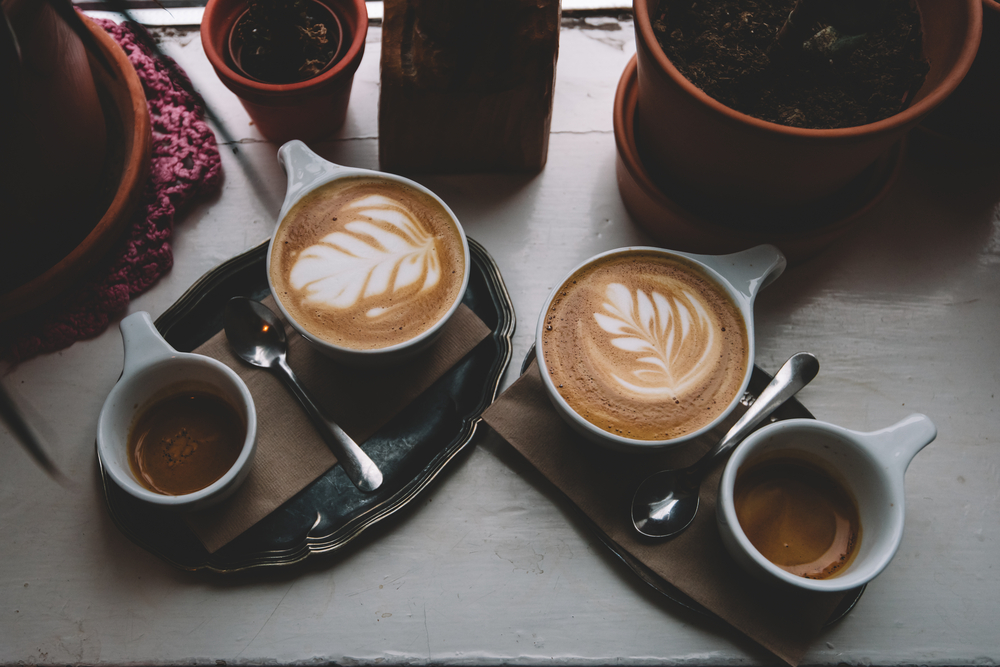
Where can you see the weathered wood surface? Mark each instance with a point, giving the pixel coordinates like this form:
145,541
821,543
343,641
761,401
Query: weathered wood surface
490,566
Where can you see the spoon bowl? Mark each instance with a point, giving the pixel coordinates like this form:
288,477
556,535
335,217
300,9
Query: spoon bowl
257,336
666,502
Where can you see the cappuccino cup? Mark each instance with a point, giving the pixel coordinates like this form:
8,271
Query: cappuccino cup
642,348
815,506
367,266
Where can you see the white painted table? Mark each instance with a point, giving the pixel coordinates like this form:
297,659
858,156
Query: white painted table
490,566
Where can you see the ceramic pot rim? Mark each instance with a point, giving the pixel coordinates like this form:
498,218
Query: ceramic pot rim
797,245
135,170
216,21
240,70
646,40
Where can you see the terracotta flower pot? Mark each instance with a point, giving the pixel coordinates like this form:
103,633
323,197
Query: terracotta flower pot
121,180
304,110
690,225
971,115
237,50
719,152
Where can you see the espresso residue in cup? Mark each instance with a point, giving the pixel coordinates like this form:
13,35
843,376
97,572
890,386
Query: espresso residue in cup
185,442
798,517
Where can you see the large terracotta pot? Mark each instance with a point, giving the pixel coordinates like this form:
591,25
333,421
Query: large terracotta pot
971,114
304,110
690,138
684,225
53,128
120,176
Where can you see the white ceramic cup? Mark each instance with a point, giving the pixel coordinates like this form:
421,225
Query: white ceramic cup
741,275
307,171
152,371
870,466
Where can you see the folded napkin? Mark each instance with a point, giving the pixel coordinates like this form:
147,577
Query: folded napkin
601,484
290,452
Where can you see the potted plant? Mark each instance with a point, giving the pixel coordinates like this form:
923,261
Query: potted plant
716,151
291,62
75,149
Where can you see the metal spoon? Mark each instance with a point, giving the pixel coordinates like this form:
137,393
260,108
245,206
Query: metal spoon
256,334
666,502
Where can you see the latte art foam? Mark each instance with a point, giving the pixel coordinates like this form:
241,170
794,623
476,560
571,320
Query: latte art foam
645,346
382,249
366,263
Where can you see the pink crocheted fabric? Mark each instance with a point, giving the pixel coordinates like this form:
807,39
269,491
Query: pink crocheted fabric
185,164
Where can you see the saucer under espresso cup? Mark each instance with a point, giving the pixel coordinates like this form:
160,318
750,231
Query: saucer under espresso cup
191,418
643,348
815,506
367,266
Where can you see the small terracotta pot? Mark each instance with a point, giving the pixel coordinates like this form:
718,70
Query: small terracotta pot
716,150
335,31
971,115
693,224
304,110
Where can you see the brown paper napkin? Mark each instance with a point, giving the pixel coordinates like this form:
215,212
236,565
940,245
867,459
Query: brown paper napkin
601,483
290,453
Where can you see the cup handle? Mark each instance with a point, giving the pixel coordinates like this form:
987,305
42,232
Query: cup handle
143,343
750,270
896,445
304,169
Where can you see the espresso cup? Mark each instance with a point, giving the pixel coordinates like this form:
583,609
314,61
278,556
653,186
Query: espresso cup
153,373
815,506
643,348
367,266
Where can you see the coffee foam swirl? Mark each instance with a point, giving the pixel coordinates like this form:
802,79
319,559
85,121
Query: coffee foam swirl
367,263
673,329
368,259
645,346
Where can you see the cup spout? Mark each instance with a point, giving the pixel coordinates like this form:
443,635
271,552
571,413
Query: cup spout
143,343
749,270
295,155
896,445
304,170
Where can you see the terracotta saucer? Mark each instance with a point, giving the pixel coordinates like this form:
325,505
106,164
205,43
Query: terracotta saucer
679,221
127,167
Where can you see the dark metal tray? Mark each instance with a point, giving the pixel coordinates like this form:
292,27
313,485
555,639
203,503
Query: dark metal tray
330,512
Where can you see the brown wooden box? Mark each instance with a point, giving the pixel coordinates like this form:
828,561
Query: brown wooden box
467,84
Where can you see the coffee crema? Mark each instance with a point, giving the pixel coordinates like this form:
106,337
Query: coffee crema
798,517
645,345
185,442
366,263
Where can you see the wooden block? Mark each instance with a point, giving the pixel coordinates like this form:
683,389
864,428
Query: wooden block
467,84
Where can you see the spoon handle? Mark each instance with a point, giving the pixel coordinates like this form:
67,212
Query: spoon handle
359,467
794,374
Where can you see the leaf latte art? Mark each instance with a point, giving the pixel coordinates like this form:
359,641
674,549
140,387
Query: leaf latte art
673,329
367,263
645,345
368,259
